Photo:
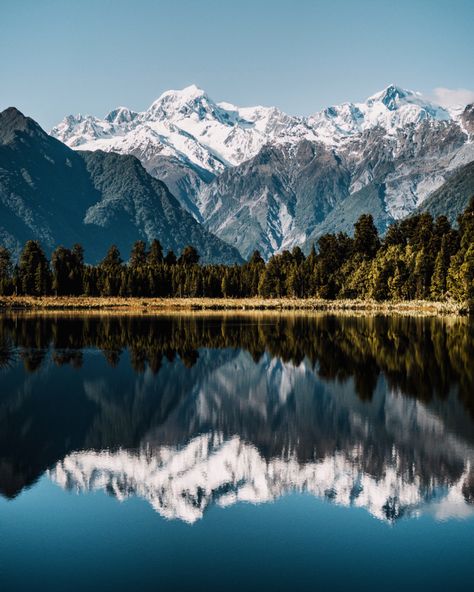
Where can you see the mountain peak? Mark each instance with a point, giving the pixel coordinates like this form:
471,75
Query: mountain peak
121,115
191,91
392,96
179,103
13,116
184,95
11,121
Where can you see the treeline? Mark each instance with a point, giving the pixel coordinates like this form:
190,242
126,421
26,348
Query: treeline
419,258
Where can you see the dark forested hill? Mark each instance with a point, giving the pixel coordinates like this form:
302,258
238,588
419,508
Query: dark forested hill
53,194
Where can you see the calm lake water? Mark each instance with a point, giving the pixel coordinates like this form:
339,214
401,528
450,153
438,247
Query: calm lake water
257,452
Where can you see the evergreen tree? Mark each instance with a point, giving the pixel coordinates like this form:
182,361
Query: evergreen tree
440,272
34,275
297,255
366,236
138,256
459,269
170,258
189,256
77,270
422,274
256,259
155,255
68,269
110,273
394,236
135,281
6,272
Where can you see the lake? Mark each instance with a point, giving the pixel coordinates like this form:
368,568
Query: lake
253,451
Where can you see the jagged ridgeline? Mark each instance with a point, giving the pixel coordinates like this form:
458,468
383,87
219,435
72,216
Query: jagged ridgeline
420,258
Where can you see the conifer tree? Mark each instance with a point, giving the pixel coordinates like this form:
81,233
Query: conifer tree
138,255
440,272
6,272
170,258
366,236
67,267
77,272
189,256
34,276
155,255
110,273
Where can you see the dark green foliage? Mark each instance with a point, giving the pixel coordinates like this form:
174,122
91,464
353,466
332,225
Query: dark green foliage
419,258
155,256
110,276
189,256
170,258
68,269
366,237
6,272
34,274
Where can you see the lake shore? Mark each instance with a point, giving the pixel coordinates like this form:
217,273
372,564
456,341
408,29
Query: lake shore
156,305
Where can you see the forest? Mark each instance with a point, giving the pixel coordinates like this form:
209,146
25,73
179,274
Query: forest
418,258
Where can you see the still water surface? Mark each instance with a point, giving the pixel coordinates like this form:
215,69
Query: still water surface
249,452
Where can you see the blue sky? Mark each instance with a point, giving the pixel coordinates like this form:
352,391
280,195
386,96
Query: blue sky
64,56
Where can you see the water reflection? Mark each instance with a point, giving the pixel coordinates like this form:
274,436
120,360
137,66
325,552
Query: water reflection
187,412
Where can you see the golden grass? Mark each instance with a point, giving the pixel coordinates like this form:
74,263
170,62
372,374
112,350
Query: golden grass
157,305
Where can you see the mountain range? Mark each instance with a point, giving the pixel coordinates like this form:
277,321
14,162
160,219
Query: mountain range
229,179
259,178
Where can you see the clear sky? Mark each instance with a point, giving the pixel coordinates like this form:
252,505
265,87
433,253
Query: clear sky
89,56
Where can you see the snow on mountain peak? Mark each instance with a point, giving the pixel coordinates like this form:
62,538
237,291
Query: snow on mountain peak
392,96
121,115
196,129
174,104
187,93
390,109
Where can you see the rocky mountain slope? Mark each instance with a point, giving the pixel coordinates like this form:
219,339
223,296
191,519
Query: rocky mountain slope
260,178
61,196
452,197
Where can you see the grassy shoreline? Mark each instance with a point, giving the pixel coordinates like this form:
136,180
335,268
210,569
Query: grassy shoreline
157,305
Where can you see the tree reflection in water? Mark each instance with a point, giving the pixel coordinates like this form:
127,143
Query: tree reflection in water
193,410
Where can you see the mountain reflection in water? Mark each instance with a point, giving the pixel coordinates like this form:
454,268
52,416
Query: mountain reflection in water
190,411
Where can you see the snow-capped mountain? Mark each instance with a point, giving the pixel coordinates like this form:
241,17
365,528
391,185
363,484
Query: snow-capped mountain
391,109
186,124
396,143
189,124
